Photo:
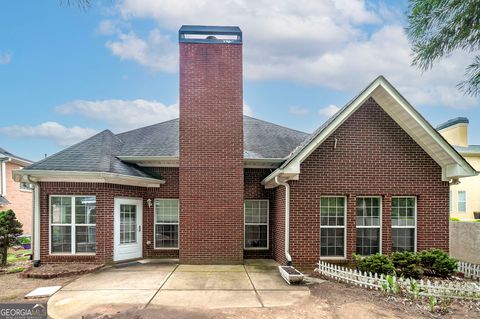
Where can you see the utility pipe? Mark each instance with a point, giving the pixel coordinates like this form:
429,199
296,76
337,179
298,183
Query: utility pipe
287,219
35,222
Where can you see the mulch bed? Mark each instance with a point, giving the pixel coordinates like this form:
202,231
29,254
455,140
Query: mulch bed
57,270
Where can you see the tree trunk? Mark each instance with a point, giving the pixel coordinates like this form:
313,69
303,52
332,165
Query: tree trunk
4,252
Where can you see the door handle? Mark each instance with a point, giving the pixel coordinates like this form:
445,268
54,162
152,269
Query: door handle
139,228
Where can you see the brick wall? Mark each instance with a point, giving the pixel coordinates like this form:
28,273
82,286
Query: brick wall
20,200
373,157
105,194
211,153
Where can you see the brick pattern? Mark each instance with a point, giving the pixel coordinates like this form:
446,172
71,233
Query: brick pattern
20,200
373,157
211,153
105,194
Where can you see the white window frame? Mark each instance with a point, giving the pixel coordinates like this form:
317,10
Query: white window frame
380,241
344,229
256,224
458,201
25,189
72,225
155,224
451,202
415,218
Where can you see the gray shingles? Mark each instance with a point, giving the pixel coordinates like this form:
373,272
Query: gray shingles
8,154
3,201
98,154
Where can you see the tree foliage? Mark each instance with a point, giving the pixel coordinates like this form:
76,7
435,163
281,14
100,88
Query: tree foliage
10,228
439,27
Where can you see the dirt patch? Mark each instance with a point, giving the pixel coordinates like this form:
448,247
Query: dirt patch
13,287
327,300
59,270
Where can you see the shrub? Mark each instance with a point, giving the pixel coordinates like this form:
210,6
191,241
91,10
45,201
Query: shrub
436,262
10,228
407,264
378,263
454,219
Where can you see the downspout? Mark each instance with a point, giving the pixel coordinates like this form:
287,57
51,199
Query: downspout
35,222
3,189
287,220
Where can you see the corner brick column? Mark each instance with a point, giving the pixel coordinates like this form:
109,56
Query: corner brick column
351,225
387,224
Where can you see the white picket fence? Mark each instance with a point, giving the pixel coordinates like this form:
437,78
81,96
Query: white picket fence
469,270
450,289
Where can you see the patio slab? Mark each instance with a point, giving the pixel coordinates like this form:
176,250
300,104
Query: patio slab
261,265
210,268
74,304
208,280
272,281
206,299
111,279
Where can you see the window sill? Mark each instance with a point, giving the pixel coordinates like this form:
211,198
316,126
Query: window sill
72,255
333,258
26,190
254,249
169,248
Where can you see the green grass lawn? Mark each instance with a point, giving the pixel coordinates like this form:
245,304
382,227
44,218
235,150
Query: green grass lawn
15,256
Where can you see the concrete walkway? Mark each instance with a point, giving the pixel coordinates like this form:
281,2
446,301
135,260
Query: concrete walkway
151,283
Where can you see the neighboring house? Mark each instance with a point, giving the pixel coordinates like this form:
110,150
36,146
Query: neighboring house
215,186
464,197
16,196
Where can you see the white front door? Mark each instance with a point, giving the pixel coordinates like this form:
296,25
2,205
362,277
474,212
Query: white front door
128,229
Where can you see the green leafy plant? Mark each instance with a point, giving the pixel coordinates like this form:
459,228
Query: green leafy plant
378,263
454,219
24,240
15,270
436,262
432,302
415,289
10,228
407,264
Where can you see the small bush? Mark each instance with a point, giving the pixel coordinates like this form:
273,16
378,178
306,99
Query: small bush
407,264
454,219
378,263
436,262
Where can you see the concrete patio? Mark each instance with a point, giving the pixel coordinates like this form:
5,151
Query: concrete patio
150,283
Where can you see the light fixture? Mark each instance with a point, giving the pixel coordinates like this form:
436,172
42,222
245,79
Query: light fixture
149,203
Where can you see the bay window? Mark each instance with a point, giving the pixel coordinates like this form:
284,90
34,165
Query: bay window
72,224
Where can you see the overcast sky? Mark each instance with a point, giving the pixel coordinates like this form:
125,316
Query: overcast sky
66,74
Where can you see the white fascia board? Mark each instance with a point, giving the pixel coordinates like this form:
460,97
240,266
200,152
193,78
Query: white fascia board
463,169
89,177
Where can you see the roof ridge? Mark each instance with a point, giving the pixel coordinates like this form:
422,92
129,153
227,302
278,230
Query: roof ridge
144,127
282,126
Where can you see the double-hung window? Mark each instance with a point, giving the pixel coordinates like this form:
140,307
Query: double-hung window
256,224
369,217
404,212
166,223
462,201
332,227
72,224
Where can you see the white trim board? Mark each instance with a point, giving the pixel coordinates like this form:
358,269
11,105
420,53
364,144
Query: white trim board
413,123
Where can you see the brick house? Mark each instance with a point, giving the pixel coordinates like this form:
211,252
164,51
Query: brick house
16,196
215,186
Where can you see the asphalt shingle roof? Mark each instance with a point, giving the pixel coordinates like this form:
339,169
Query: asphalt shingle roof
3,201
262,140
8,154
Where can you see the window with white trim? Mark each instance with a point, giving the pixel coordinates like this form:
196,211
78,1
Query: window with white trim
461,201
256,224
26,186
404,213
73,224
369,212
332,227
451,202
166,223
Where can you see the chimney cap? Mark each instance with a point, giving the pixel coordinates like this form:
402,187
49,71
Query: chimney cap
457,120
210,34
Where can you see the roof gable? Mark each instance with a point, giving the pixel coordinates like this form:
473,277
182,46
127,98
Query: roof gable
396,106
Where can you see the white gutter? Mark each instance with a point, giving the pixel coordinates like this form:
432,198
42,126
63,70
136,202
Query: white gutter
287,220
3,188
35,222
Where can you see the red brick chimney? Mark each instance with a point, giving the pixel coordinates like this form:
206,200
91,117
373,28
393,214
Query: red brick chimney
211,145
